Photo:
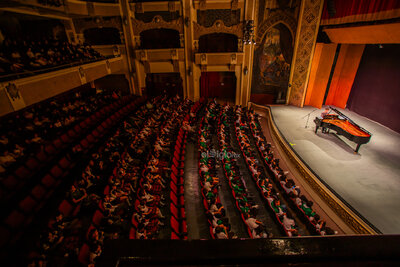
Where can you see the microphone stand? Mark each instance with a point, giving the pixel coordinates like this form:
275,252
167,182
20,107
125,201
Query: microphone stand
308,116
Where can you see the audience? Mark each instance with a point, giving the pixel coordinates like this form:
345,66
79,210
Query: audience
26,132
24,56
287,185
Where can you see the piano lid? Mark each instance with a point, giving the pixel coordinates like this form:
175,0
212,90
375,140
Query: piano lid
350,120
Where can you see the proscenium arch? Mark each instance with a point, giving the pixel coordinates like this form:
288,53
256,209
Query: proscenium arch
277,18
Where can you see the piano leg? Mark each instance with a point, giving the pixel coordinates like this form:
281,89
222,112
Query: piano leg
357,148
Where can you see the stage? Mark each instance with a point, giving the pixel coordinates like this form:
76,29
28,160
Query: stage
368,181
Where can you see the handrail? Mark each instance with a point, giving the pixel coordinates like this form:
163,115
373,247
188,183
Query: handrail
28,73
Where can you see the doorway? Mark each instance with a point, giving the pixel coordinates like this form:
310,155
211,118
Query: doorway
221,85
164,83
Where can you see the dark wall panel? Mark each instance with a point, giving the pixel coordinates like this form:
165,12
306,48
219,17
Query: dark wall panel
376,89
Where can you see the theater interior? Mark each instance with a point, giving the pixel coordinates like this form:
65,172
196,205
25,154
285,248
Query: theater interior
199,132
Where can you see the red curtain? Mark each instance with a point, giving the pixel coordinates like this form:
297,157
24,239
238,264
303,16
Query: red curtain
217,84
344,74
348,11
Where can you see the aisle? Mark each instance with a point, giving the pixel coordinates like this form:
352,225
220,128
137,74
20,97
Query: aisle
195,215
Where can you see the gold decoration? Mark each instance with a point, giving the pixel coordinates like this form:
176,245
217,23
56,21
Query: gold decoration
218,27
157,23
139,7
171,6
81,72
234,4
306,41
276,18
13,91
202,5
81,25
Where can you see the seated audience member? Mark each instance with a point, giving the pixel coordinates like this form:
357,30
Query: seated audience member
77,194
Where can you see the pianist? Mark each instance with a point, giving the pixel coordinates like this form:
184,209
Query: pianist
325,112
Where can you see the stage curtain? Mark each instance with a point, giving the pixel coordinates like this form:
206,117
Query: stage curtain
321,66
350,11
375,93
343,76
371,34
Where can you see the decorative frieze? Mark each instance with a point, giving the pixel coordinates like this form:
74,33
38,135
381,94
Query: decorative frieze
157,23
218,27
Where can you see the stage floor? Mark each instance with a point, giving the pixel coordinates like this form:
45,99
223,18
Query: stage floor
368,181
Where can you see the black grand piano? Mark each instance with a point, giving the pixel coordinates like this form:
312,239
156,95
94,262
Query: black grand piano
343,125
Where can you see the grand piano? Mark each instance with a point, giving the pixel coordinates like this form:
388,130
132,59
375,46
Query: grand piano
343,125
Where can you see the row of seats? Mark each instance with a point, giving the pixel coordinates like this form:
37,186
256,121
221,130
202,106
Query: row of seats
236,183
26,174
153,129
219,225
15,223
177,206
115,179
154,178
312,220
258,174
29,131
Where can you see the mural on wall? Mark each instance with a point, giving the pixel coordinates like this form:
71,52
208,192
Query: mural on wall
274,50
274,70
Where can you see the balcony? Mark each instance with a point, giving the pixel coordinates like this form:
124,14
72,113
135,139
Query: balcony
19,93
231,58
154,55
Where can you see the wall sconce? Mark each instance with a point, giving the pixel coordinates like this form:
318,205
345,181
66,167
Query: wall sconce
187,21
245,70
190,72
125,21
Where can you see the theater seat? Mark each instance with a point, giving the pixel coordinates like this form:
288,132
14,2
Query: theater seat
174,235
28,205
10,182
175,225
65,208
23,173
64,163
48,181
32,164
132,233
56,172
97,217
42,156
15,220
39,192
83,256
